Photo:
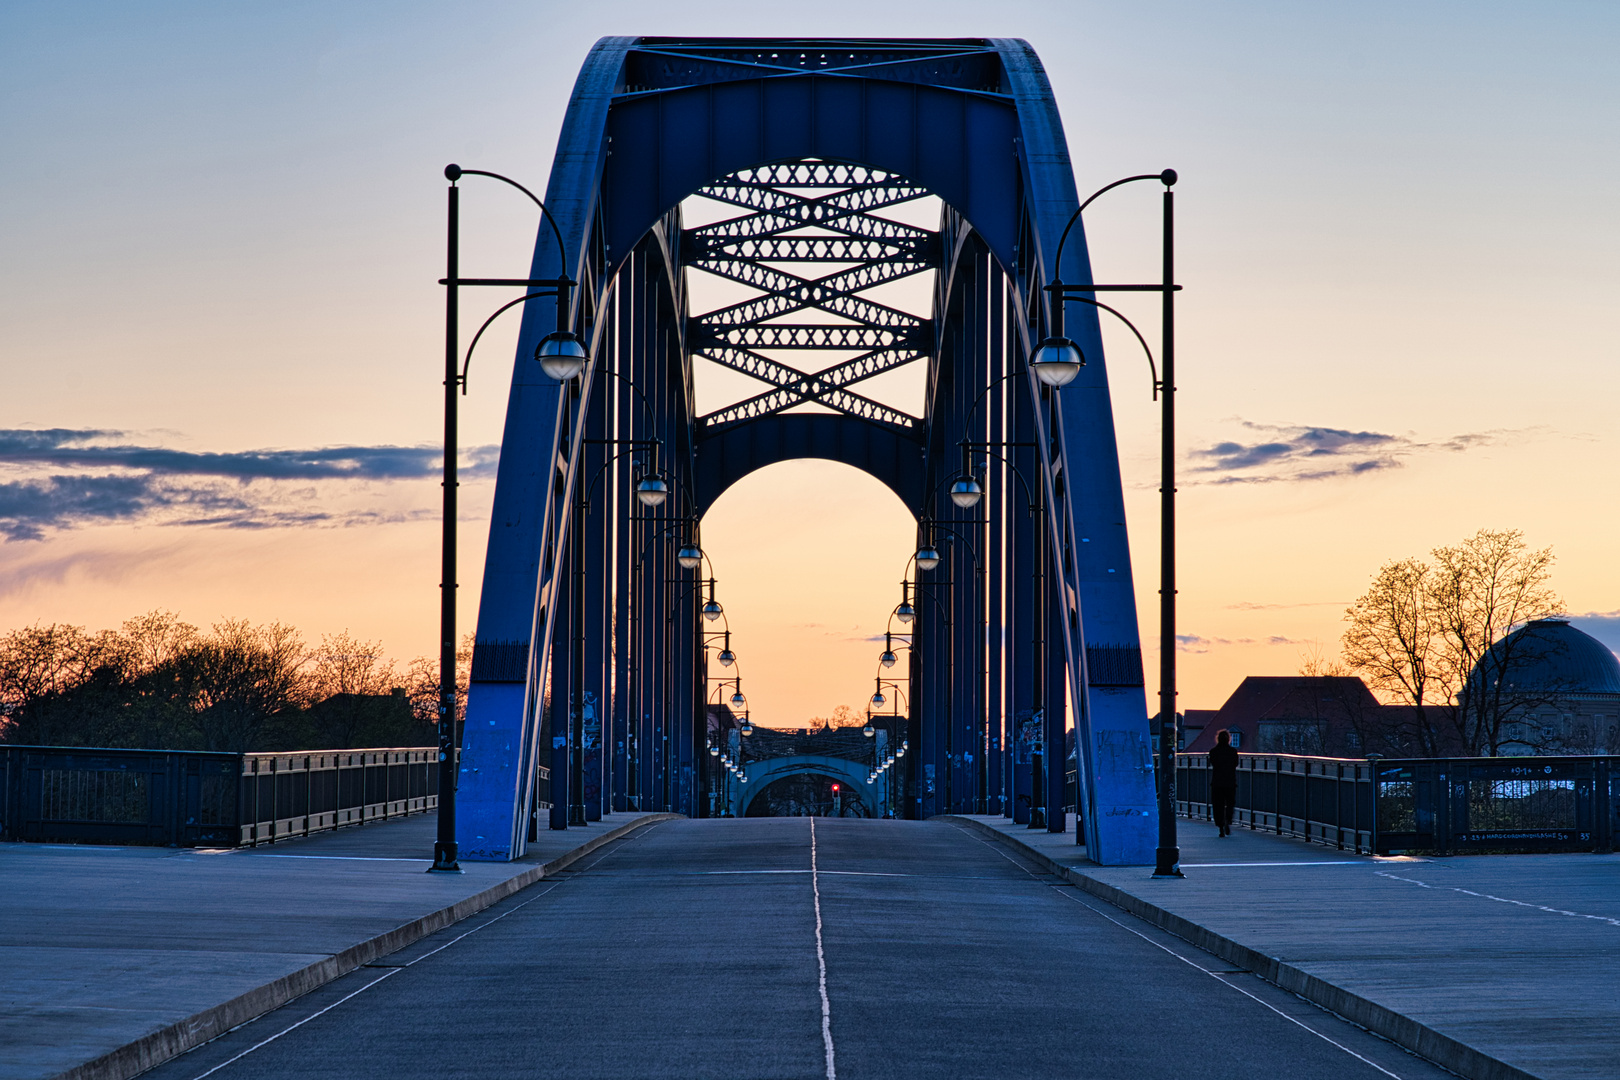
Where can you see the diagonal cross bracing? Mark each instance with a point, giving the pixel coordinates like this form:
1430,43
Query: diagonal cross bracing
810,213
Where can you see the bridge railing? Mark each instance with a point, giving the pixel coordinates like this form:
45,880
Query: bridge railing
196,799
1440,805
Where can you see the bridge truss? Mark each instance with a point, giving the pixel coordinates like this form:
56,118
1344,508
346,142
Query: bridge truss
590,657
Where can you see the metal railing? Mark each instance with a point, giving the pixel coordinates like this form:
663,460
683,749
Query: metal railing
195,799
1325,800
1440,805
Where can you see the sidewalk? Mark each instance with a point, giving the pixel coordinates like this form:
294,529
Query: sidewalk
1493,966
117,958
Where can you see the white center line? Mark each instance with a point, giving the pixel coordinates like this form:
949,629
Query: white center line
1329,862
821,959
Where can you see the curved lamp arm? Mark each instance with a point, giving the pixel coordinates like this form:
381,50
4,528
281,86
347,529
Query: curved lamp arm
453,173
1167,178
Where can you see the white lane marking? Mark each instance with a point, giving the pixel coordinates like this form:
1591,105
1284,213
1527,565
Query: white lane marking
1216,975
821,959
336,858
1330,862
369,985
1499,899
841,873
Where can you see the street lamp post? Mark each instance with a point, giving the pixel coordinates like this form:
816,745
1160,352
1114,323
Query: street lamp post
1058,352
562,357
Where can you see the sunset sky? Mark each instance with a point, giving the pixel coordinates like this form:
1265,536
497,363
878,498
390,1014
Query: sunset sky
222,340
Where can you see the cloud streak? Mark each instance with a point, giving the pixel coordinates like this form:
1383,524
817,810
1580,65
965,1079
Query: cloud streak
70,478
93,449
1302,452
1197,643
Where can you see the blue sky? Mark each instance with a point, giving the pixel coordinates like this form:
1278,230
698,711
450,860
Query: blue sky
224,222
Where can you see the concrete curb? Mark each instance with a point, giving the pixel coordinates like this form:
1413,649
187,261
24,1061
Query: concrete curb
1445,1051
152,1050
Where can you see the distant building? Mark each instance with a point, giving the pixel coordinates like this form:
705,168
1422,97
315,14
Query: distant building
1546,688
1287,714
1552,689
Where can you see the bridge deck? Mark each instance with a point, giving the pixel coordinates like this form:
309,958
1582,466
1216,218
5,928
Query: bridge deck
947,952
100,946
1512,955
694,950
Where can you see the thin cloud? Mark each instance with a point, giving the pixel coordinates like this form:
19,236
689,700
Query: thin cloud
94,448
1198,644
1305,452
76,477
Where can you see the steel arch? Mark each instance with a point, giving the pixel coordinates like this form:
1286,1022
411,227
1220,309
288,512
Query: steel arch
584,608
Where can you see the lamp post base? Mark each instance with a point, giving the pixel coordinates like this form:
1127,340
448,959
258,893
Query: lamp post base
1167,862
444,858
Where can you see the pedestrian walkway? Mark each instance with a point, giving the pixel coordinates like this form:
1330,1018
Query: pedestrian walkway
1495,966
141,953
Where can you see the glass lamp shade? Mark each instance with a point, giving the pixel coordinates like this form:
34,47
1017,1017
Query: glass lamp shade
905,612
690,556
878,701
966,492
737,700
927,557
1057,361
888,658
900,752
652,491
561,355
869,779
714,751
747,728
744,779
712,610
727,658
869,731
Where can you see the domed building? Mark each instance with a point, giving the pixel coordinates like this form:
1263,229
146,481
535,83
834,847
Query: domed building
1551,689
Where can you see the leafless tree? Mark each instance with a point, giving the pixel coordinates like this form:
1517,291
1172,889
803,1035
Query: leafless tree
350,686
1393,641
40,668
1485,588
422,683
1423,630
244,678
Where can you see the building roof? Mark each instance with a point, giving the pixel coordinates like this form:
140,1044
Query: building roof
1330,699
1549,656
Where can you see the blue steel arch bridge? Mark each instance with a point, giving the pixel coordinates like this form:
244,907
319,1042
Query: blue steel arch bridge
591,656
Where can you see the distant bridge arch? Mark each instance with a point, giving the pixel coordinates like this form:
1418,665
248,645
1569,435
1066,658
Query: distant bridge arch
761,774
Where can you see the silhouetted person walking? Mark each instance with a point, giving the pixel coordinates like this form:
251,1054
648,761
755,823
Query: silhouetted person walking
1223,763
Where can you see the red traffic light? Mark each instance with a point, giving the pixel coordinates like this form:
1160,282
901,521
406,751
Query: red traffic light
835,787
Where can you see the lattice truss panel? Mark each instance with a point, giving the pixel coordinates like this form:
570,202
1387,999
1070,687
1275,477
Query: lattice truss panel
802,214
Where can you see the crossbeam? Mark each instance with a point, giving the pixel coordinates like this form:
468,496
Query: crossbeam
813,213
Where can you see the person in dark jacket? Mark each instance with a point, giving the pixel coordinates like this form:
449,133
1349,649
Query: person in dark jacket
1223,763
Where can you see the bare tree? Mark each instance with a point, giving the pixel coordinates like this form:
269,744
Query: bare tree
155,709
1483,590
422,683
243,678
1424,630
41,668
1393,641
347,677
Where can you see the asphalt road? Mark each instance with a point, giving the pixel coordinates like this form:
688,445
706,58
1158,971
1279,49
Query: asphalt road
796,948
